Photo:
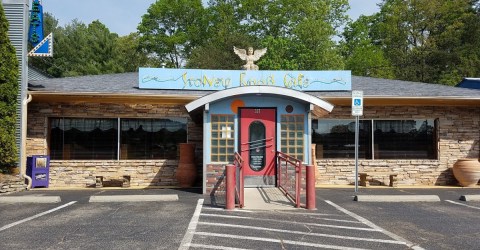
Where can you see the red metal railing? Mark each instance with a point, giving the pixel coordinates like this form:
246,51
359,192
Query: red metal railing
290,176
290,181
239,187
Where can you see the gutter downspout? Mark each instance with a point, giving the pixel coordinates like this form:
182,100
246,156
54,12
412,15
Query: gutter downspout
23,161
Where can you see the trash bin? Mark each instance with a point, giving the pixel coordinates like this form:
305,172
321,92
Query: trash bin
38,167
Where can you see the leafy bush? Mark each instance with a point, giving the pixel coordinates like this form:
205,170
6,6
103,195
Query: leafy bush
8,96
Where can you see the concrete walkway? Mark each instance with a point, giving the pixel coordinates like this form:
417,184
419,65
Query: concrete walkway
267,198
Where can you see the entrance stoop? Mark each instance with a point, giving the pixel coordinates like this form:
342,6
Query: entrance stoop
267,198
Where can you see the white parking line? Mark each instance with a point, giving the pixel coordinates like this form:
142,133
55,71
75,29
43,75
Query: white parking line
223,209
280,241
372,225
35,216
303,233
216,247
310,214
337,220
461,204
192,226
292,222
313,215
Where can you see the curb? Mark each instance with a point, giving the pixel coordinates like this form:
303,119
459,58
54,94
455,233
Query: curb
132,198
30,199
396,198
471,197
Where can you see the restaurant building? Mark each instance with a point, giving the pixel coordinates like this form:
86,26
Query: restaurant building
132,124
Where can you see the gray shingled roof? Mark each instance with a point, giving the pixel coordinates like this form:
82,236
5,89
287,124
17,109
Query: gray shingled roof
35,74
127,83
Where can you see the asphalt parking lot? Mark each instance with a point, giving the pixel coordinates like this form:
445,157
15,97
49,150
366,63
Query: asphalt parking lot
192,223
81,224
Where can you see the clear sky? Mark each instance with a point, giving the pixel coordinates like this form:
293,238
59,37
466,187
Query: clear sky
123,16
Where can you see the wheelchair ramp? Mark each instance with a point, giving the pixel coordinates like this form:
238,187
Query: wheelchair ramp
267,198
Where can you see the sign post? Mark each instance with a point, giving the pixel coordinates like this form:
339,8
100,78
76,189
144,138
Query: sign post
357,111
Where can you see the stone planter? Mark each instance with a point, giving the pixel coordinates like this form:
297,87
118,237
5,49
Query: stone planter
187,171
467,172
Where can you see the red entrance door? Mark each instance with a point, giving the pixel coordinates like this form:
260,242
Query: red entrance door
257,144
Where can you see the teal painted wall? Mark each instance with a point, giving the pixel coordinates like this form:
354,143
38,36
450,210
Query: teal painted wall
258,101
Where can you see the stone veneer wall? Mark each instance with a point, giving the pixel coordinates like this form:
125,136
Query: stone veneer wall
81,173
74,173
459,135
12,185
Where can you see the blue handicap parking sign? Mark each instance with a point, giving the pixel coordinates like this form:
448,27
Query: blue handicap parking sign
357,102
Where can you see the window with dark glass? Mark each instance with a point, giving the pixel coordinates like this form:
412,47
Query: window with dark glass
406,139
97,139
257,144
387,139
151,138
83,139
336,139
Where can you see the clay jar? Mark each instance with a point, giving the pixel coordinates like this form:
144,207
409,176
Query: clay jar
467,172
186,171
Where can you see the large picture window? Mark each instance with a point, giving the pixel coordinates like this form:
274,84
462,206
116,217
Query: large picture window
336,139
151,138
379,139
407,139
98,139
83,139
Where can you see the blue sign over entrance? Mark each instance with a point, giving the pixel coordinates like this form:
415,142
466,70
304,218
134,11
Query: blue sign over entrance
195,79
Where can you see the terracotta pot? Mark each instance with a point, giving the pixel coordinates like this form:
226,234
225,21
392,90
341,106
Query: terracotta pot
187,153
186,174
187,171
467,172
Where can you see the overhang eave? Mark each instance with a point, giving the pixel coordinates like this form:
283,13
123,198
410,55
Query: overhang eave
258,90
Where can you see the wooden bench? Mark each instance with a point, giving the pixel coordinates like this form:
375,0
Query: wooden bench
124,181
364,180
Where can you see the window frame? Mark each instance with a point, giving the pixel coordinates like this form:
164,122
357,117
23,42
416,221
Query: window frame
118,141
296,139
150,124
435,139
62,148
217,149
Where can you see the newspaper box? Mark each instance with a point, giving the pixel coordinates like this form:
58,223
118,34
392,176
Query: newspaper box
37,168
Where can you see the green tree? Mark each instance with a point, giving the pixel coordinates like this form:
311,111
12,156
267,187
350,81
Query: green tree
81,49
433,41
430,40
362,56
100,49
224,31
71,55
297,33
304,27
129,56
8,95
171,29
